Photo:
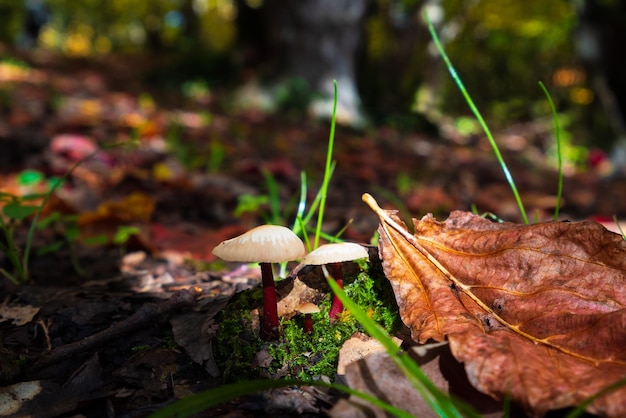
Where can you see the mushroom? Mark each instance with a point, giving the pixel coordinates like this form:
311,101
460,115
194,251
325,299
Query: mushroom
308,308
264,244
334,255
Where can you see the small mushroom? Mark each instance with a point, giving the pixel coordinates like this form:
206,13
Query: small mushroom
334,255
308,308
264,244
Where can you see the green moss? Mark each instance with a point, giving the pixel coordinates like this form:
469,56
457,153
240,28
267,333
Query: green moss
239,350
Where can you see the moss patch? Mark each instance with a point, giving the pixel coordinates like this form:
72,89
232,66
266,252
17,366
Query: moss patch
241,354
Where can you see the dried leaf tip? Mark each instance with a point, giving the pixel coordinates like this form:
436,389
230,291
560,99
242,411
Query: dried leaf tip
383,216
371,202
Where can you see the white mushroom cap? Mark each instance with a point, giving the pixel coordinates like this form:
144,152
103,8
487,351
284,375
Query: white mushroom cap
263,244
335,253
308,308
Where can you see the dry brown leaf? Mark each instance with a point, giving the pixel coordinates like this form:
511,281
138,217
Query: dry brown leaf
377,374
534,311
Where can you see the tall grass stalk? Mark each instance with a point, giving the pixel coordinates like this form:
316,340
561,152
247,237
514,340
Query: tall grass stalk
327,170
479,117
557,134
301,221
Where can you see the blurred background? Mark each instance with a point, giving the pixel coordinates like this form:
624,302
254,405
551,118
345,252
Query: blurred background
501,49
243,89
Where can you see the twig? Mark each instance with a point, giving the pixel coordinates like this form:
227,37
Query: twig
44,327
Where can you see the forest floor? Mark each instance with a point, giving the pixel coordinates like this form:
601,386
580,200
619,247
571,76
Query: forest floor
124,259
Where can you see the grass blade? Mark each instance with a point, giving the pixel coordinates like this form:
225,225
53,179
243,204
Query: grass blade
214,397
440,402
557,134
327,170
479,117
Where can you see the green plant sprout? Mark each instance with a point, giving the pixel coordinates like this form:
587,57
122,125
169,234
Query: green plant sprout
557,134
301,222
66,227
123,234
294,96
258,203
250,203
327,169
18,209
274,197
478,115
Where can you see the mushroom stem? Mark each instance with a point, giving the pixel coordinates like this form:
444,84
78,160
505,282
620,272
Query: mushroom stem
308,323
269,319
336,308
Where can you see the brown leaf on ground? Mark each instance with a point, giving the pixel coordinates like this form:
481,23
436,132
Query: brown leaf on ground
369,369
534,311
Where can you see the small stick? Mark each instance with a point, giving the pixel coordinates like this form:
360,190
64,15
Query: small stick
44,327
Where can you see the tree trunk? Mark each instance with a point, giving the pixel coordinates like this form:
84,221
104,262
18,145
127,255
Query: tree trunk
317,40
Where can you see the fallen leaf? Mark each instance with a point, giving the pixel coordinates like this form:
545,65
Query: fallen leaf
18,315
136,207
356,348
377,374
536,312
117,222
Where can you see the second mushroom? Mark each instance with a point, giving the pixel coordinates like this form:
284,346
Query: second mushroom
334,255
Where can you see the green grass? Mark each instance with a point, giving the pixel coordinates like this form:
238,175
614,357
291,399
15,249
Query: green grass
557,134
479,118
327,170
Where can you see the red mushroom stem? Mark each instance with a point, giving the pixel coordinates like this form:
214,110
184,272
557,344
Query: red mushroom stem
308,323
269,319
336,308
